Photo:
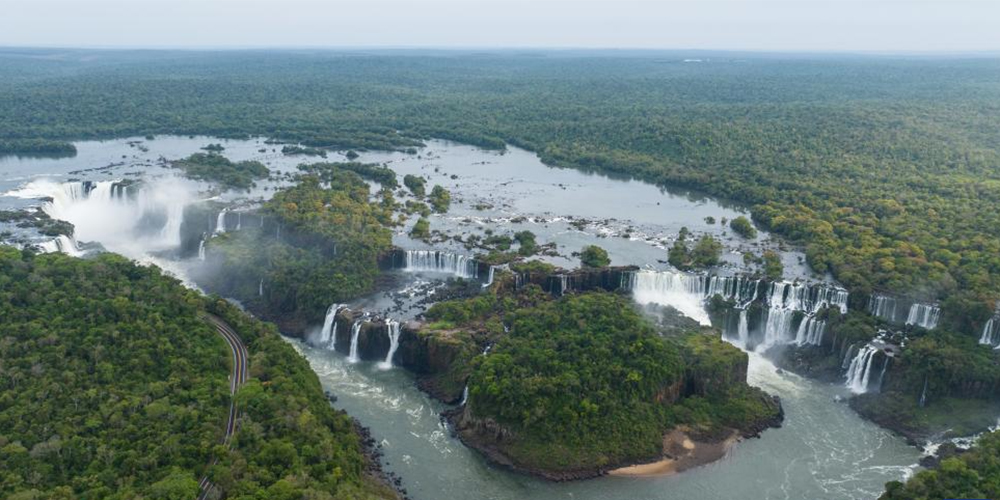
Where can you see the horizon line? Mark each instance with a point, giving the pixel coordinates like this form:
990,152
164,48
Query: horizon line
503,48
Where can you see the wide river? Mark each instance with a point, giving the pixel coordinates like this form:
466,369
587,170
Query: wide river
823,451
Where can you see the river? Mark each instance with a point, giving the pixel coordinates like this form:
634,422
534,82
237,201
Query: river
824,450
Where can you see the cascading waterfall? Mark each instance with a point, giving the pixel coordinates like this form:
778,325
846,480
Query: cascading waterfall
991,333
441,262
860,370
465,396
882,306
392,328
201,249
328,335
220,222
924,315
239,220
260,288
355,331
810,331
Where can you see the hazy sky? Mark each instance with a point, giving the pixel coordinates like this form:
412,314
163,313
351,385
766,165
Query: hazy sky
800,25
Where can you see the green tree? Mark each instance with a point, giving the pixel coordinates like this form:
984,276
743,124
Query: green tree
594,256
440,199
742,226
773,268
417,185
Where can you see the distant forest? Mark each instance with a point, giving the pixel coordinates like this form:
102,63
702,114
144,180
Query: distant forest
886,170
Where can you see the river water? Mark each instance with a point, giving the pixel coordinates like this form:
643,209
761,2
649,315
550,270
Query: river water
823,451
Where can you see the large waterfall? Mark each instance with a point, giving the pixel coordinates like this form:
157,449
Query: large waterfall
133,220
924,315
860,370
392,329
786,301
441,262
991,333
684,292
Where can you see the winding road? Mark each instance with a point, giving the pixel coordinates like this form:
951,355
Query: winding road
239,376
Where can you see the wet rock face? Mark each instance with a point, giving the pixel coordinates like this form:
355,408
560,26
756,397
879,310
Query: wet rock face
578,280
373,336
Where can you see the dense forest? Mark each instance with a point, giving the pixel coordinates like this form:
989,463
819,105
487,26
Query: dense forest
885,168
584,382
113,386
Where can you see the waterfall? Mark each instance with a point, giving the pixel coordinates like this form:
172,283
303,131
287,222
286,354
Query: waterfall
860,370
61,243
847,357
489,279
778,327
563,284
392,329
684,292
924,315
465,395
743,330
260,288
810,331
328,335
881,375
923,394
991,333
201,249
355,331
441,262
239,220
882,306
103,211
220,222
736,288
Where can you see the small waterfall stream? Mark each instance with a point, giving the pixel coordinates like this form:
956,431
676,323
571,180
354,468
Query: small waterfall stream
392,328
355,331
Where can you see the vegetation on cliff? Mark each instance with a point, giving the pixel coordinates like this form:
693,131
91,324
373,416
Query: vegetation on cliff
584,382
114,387
974,474
325,249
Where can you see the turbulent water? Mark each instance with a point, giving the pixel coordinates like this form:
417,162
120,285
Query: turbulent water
824,449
